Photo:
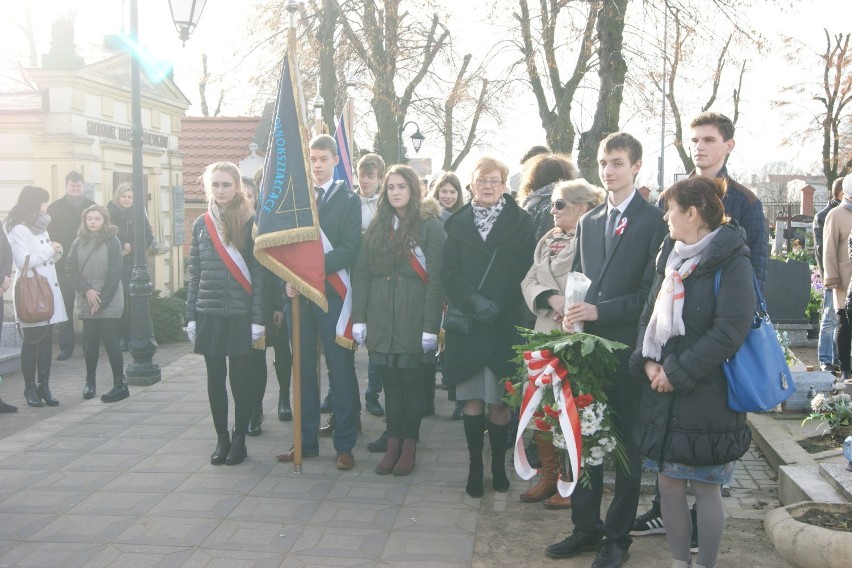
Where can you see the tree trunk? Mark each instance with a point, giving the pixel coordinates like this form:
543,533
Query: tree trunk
611,69
328,71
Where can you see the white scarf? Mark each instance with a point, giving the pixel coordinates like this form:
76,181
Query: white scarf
667,318
485,217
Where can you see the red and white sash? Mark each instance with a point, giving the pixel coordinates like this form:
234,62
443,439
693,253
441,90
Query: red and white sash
231,257
343,286
416,256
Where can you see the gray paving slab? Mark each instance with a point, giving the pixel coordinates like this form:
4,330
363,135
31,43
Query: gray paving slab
130,484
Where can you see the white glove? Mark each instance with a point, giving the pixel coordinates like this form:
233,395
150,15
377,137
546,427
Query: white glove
190,331
257,331
430,342
359,333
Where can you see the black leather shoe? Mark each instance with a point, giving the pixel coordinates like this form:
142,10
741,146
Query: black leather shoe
575,544
610,555
64,355
31,394
223,446
89,390
373,407
255,421
325,405
379,445
285,413
7,408
328,429
118,392
44,394
238,452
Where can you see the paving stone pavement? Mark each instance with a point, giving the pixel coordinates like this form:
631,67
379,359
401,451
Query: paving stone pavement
130,484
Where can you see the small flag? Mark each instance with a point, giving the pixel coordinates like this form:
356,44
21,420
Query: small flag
343,169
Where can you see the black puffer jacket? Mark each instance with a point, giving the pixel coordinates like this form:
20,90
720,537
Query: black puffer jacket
693,425
212,289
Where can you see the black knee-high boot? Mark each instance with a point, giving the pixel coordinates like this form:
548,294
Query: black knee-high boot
474,431
497,437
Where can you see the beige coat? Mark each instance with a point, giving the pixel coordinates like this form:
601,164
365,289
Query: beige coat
547,274
835,253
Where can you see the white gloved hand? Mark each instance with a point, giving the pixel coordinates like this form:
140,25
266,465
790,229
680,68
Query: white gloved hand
359,333
430,342
257,331
190,331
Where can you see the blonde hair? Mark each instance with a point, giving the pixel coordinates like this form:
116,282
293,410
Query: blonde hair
233,213
120,190
579,192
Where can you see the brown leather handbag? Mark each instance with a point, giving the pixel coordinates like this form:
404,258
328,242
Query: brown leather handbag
33,296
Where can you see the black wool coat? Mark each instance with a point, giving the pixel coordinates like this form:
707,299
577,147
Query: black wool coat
65,220
693,425
465,260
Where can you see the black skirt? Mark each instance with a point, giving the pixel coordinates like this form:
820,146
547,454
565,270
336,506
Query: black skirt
217,336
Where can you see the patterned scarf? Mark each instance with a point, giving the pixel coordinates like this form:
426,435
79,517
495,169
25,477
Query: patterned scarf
485,217
667,318
557,241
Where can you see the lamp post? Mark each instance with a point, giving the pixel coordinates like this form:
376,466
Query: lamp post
416,139
318,103
143,371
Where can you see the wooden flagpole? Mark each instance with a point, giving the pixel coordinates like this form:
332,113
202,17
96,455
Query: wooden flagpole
296,339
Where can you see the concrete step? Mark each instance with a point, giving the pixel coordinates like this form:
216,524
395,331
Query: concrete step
10,360
838,477
806,483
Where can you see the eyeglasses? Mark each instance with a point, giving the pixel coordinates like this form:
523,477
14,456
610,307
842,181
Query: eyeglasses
560,204
483,183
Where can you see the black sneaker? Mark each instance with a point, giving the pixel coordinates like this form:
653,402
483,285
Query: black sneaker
379,445
693,540
649,523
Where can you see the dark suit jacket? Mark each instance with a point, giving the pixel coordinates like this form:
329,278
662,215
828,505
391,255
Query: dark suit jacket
340,220
621,281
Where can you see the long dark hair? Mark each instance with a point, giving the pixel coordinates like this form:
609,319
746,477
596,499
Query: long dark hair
545,169
444,179
28,206
384,252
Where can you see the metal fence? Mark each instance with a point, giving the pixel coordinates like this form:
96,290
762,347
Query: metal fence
775,209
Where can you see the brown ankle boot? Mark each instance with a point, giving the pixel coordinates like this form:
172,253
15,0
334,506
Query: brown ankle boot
546,485
557,502
391,456
405,464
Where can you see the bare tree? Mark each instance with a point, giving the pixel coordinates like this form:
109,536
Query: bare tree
555,94
772,180
393,47
203,83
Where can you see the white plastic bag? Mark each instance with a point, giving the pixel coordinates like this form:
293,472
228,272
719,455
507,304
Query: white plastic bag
576,286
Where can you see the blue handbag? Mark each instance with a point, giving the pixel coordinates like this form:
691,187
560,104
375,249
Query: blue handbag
757,374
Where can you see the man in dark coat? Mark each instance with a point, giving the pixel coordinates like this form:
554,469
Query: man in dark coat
616,246
339,212
65,218
826,347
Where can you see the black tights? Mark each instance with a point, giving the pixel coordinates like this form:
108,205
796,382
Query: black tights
843,339
403,401
36,352
244,387
95,332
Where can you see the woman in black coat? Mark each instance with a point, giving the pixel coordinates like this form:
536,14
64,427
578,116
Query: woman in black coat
224,305
685,428
121,215
493,226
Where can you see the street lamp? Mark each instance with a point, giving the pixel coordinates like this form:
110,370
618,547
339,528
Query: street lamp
416,139
185,15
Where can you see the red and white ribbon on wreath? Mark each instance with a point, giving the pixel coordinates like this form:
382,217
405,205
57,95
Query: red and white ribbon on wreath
545,370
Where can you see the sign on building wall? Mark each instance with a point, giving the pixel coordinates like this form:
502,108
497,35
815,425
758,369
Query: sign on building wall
178,203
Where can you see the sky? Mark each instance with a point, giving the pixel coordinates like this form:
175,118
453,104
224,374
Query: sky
220,36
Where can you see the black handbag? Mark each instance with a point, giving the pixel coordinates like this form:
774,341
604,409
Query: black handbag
459,320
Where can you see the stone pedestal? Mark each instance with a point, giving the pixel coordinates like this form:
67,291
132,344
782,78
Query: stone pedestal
796,332
798,401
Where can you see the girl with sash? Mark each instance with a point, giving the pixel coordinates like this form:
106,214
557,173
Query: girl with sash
224,305
398,299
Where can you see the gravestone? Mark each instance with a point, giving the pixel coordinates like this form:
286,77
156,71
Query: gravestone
821,381
787,290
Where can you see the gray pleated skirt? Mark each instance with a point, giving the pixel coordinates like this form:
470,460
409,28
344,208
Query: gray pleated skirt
484,385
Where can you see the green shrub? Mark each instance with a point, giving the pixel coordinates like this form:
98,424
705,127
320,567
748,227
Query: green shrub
167,318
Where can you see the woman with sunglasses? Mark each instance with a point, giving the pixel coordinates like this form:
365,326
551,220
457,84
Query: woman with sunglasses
544,292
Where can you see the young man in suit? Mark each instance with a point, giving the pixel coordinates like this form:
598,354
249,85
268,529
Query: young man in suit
65,215
339,212
617,243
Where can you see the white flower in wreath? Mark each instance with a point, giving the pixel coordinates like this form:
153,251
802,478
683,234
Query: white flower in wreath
819,403
559,441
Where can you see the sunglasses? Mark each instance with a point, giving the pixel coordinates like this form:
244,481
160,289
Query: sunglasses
560,204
